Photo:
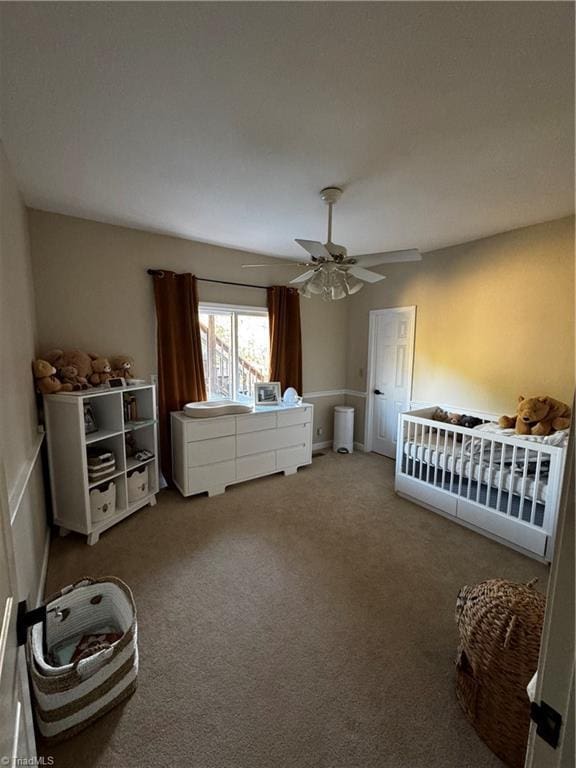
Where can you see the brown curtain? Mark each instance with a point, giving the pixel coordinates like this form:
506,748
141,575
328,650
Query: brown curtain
180,368
285,337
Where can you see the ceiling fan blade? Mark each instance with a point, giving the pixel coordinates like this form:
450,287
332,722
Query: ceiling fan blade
303,277
280,264
315,249
388,257
365,274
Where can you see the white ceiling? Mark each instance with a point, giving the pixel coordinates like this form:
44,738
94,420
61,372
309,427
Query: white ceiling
444,122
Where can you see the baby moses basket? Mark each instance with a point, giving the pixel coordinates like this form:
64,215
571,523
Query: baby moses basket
70,696
499,626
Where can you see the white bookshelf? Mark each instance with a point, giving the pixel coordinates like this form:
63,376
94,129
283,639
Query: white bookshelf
67,452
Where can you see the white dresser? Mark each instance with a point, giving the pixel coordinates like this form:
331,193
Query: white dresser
209,454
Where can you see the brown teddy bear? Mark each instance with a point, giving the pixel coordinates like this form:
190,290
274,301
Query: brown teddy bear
82,361
538,416
46,381
122,366
102,371
68,374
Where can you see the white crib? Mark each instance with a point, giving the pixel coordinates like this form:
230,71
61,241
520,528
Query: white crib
504,486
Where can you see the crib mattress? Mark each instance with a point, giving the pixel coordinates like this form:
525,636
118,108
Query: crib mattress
450,457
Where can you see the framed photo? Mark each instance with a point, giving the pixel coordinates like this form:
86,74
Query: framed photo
267,393
89,419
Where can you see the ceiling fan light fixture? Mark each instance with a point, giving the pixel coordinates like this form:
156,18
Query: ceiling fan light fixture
353,285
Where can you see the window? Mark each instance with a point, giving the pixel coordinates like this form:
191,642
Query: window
235,349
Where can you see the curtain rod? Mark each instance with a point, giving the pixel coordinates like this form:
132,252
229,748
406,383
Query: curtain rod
207,280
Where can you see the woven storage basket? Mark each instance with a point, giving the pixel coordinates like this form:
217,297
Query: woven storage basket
499,626
68,698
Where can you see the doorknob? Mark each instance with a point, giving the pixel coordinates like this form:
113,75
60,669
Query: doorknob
377,392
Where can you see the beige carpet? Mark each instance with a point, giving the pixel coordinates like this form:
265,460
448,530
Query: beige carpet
294,622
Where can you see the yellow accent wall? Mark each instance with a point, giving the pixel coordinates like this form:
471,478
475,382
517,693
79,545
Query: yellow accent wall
494,319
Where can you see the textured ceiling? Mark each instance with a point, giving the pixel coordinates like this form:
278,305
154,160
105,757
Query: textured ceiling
220,122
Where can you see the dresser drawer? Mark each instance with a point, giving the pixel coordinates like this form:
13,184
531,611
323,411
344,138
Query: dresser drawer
296,435
255,422
292,457
203,429
257,442
296,416
213,476
210,451
253,466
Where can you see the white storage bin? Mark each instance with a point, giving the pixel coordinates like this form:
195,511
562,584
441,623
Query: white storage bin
70,697
343,429
137,484
102,502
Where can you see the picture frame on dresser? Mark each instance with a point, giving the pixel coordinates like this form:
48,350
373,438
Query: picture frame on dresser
267,393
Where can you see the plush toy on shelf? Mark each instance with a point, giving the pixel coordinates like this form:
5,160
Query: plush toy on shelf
538,416
102,371
68,374
81,361
45,378
122,366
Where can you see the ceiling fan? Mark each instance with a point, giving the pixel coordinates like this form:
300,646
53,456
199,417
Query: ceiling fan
333,274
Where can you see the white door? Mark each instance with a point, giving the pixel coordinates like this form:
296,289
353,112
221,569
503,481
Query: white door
391,354
16,735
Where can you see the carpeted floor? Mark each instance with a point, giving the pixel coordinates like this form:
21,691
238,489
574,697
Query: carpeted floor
294,622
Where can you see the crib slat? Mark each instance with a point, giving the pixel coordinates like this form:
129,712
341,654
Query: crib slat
420,452
429,454
501,476
535,487
470,468
452,460
436,462
461,473
480,465
523,483
444,454
511,481
490,474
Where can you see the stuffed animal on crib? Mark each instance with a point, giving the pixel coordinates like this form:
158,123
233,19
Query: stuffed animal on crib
462,420
538,416
441,415
470,421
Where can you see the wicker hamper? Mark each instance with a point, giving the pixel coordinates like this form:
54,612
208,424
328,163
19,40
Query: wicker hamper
499,626
68,698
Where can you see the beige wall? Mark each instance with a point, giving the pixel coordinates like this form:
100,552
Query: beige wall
18,416
93,292
495,319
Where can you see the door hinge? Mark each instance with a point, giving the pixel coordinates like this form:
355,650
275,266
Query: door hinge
548,722
26,619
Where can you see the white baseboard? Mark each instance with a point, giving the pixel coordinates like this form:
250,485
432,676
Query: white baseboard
319,446
359,447
43,571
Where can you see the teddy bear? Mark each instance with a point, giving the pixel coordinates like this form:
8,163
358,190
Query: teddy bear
102,371
46,381
82,361
538,416
470,421
122,366
68,374
440,415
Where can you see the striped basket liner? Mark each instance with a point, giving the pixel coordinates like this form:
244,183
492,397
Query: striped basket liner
68,698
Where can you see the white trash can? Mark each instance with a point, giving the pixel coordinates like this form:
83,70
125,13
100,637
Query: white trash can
343,429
